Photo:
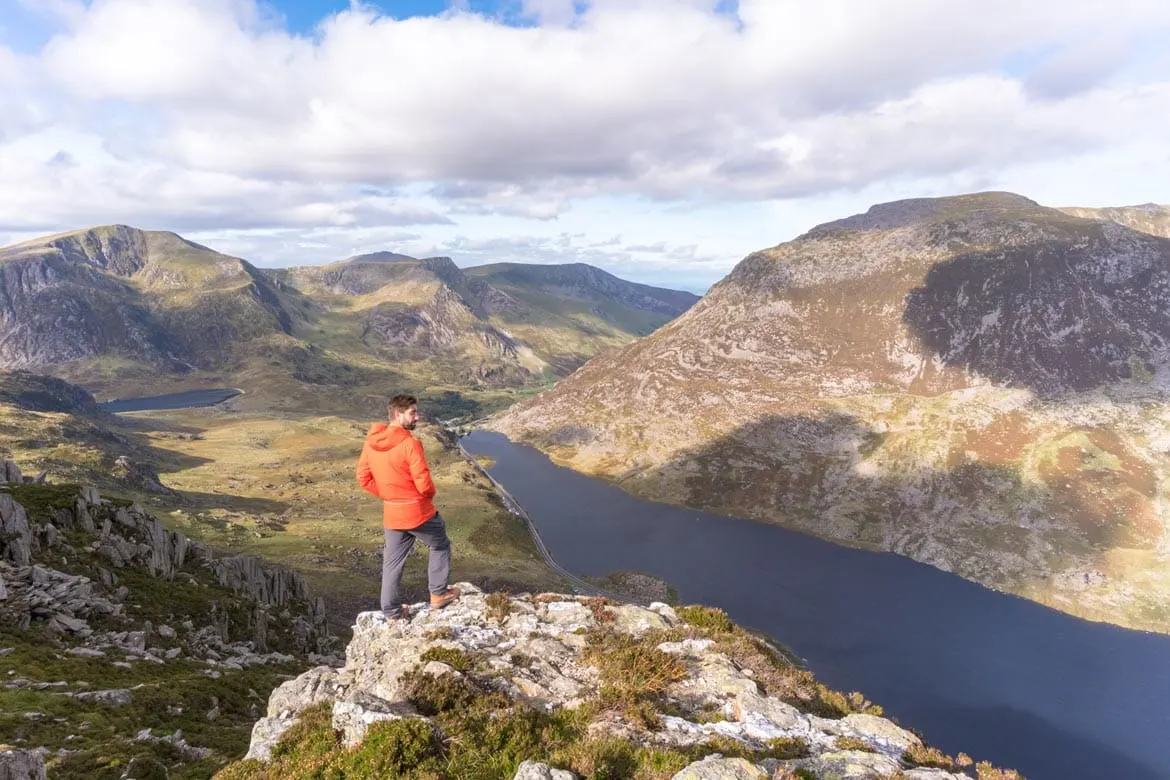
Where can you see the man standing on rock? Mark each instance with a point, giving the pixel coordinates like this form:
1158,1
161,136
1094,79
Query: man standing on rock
394,468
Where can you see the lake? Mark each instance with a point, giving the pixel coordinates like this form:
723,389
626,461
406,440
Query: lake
182,400
996,676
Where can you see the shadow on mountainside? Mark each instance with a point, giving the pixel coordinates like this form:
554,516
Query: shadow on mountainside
1048,318
979,518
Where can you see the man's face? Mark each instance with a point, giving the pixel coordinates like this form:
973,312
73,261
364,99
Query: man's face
407,418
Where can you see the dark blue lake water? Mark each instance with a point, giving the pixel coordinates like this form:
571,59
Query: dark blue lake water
173,401
995,676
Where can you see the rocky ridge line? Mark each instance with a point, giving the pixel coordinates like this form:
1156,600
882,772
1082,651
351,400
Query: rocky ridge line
533,650
126,537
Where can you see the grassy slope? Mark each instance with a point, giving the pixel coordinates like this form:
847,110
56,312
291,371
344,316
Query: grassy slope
164,697
280,486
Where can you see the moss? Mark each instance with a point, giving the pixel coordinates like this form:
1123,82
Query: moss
40,502
600,758
634,672
394,748
707,618
499,606
459,660
434,694
788,748
929,757
985,771
853,743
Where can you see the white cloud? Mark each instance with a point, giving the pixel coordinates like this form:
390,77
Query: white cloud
206,114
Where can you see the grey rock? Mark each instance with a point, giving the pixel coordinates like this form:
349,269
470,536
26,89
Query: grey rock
86,652
11,473
353,719
67,623
265,734
847,765
115,697
322,683
534,770
722,769
21,765
15,535
145,768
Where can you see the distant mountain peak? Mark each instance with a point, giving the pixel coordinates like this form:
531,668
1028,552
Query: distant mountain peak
381,257
902,213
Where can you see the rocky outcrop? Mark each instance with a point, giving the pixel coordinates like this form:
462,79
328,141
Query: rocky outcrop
139,476
16,539
37,393
127,537
21,764
977,382
535,652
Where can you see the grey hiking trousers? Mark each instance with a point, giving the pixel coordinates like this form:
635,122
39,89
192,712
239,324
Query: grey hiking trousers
398,546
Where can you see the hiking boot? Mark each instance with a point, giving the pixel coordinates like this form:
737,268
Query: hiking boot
440,600
402,613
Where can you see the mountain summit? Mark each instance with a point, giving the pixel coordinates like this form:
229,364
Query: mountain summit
146,296
975,382
120,309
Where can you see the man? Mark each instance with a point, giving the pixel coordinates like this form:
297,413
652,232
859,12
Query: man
394,468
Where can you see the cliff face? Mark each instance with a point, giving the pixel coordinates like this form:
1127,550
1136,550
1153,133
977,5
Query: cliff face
976,382
143,296
556,686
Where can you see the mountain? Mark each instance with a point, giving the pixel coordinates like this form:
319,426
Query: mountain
496,325
125,311
1148,217
977,382
143,296
581,282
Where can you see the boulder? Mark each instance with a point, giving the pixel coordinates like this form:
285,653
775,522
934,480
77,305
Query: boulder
534,770
722,769
10,473
21,765
265,734
15,535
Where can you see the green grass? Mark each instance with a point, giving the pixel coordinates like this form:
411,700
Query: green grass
177,695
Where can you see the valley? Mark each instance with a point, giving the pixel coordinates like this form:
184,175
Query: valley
976,382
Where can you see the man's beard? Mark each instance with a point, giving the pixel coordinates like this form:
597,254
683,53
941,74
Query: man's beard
410,425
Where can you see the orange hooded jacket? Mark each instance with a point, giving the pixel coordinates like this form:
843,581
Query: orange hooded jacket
394,468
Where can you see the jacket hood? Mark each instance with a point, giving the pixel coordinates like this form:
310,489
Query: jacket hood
383,437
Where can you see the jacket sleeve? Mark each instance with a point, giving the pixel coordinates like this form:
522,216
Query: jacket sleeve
365,477
419,471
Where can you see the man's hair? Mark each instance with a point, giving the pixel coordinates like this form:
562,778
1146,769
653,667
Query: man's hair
400,403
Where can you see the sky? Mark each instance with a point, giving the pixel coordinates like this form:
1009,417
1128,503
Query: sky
661,140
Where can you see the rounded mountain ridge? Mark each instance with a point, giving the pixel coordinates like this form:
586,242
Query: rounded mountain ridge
903,213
